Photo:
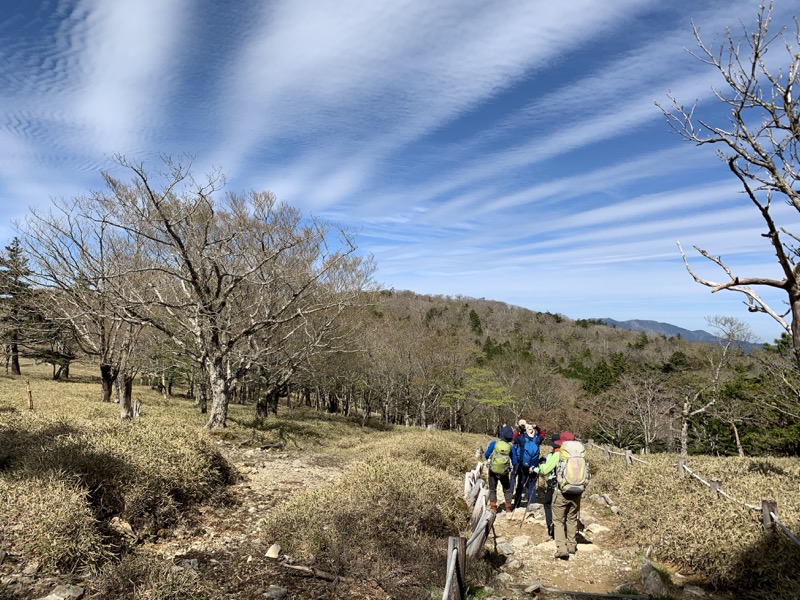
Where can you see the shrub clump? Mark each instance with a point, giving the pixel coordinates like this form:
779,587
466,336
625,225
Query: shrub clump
142,577
387,520
75,476
49,519
453,453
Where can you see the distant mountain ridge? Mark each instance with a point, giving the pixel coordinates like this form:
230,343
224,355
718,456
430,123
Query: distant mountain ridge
664,329
668,330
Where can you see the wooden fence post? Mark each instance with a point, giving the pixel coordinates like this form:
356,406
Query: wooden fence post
475,492
681,464
606,453
478,538
628,459
30,394
767,507
469,481
477,510
590,443
459,545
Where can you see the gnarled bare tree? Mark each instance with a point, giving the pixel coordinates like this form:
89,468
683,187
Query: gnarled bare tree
230,280
760,143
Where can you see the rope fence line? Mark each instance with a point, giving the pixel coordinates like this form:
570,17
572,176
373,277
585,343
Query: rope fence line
768,508
714,487
783,528
607,452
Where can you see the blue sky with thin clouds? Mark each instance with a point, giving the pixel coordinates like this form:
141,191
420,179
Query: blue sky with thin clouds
506,149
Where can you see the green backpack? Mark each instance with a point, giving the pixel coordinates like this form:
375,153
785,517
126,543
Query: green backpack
500,459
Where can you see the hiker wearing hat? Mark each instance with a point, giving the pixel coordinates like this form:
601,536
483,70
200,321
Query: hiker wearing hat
548,470
526,448
501,462
566,501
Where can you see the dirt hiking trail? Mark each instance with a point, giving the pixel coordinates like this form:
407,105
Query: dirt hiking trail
225,546
229,547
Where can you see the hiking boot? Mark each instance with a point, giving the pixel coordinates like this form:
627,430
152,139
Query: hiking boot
572,550
493,506
562,554
508,507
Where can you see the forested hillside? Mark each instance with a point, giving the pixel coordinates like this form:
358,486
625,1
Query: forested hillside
468,364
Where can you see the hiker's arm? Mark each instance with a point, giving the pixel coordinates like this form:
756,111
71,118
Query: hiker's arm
488,452
549,464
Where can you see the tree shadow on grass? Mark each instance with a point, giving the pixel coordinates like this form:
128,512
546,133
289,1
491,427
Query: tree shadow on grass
769,569
59,450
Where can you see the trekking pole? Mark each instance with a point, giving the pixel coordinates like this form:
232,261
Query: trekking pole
515,498
528,505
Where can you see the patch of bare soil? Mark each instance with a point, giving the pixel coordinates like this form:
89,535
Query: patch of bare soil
226,546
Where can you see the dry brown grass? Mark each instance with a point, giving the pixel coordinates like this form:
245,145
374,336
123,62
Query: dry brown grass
386,519
49,520
142,577
70,465
714,537
453,453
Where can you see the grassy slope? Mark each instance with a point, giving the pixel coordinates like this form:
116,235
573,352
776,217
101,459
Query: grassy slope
714,537
70,466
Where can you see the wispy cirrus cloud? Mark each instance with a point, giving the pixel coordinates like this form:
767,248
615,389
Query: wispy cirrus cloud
508,149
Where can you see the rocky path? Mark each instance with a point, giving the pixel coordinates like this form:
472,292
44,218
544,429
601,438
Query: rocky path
603,567
597,567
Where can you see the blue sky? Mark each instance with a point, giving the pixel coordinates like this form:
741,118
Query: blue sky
505,149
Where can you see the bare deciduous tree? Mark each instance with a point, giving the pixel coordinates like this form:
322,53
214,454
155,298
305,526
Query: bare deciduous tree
229,280
74,259
760,143
699,398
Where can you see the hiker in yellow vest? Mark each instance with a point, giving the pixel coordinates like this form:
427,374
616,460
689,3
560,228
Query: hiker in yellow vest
548,469
565,512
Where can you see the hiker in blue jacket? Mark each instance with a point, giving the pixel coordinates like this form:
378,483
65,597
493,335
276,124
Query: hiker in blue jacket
501,462
526,447
521,424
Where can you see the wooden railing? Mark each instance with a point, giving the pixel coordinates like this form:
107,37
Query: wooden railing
480,524
767,508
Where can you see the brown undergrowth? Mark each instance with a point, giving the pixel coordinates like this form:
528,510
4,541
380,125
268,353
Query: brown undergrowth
70,467
684,524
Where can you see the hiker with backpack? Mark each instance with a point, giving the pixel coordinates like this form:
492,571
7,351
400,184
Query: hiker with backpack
519,429
526,448
547,468
501,462
572,477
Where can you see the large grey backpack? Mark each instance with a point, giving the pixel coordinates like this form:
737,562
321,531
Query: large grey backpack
572,472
